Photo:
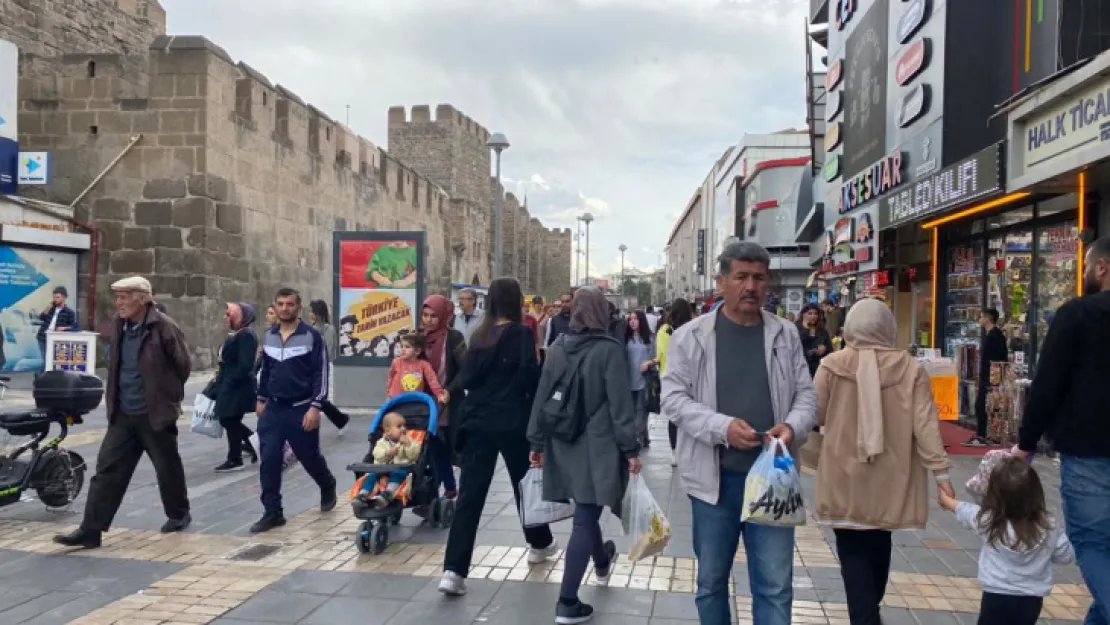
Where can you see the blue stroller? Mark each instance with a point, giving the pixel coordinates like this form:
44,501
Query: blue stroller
421,413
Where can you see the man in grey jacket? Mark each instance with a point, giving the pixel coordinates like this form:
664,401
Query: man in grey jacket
735,378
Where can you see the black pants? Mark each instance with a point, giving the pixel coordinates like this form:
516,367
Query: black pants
585,543
1009,609
238,436
128,436
864,566
480,453
337,417
981,408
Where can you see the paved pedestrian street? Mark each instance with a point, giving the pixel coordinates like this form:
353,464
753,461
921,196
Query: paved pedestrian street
310,571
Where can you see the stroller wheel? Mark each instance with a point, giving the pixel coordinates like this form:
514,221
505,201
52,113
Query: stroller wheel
362,537
446,512
435,513
379,537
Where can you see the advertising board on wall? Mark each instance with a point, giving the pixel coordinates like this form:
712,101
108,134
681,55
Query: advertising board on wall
960,183
28,278
865,91
1072,123
9,110
700,263
379,288
849,245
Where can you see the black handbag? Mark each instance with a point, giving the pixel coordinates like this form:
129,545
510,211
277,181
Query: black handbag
654,391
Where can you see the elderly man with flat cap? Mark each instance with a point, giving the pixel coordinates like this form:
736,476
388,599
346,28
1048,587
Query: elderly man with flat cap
148,366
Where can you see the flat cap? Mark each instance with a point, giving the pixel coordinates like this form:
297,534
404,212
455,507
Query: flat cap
133,283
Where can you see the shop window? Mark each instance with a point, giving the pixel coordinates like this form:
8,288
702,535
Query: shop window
1057,266
1057,204
1010,217
965,295
1010,286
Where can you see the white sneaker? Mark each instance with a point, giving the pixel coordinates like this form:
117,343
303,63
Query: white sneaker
342,430
537,556
452,584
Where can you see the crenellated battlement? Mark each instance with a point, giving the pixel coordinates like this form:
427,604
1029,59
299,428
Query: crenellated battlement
446,116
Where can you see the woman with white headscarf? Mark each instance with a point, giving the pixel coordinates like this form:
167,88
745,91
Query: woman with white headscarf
881,437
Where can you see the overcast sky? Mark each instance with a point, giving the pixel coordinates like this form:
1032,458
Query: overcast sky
619,107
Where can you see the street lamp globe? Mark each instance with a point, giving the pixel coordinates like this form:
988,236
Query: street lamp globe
587,218
497,142
623,248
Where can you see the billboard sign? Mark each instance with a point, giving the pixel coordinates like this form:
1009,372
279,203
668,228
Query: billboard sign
974,177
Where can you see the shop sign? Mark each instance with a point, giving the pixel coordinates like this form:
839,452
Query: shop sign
1074,123
952,186
832,267
9,166
832,137
913,105
865,229
827,247
928,161
912,61
833,104
34,168
912,19
831,170
845,9
701,253
844,249
833,76
920,272
871,183
880,279
844,231
863,254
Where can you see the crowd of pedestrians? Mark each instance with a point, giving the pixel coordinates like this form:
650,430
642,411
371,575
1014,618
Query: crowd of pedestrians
568,388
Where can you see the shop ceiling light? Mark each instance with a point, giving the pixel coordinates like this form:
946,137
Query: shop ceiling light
985,206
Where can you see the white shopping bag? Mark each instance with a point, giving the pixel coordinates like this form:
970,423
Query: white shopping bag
773,490
534,511
644,521
204,418
288,460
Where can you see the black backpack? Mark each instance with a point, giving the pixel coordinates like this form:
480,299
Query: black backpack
563,413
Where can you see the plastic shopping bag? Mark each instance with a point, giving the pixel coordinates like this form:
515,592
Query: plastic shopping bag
773,490
288,460
534,511
204,418
644,521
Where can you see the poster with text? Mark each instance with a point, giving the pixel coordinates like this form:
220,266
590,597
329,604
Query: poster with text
27,282
380,284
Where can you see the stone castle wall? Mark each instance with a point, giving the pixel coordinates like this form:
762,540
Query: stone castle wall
223,185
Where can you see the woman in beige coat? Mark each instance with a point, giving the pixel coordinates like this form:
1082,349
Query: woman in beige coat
881,438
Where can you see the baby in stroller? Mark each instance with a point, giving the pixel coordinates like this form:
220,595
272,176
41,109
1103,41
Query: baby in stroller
395,447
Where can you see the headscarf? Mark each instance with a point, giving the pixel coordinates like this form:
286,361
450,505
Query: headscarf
436,346
241,315
589,310
869,328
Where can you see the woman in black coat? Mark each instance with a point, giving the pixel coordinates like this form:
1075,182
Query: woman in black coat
499,377
816,343
235,387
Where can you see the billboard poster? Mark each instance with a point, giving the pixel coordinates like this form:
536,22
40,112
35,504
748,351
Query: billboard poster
379,288
27,281
865,92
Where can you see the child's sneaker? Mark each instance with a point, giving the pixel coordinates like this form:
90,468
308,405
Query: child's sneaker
382,500
603,575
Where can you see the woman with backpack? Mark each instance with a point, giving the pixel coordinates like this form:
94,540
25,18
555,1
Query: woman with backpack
680,313
583,433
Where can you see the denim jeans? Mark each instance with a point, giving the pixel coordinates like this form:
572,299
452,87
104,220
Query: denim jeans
770,555
1085,489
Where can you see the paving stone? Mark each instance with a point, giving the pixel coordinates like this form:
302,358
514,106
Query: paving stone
277,607
355,610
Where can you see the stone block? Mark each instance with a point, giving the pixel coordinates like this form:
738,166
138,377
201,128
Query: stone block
137,238
166,236
164,188
229,218
179,122
139,262
111,208
196,286
172,286
113,122
236,245
111,235
209,186
198,237
194,211
177,262
158,213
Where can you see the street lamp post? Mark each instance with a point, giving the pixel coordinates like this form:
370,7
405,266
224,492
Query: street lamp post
623,248
587,218
498,143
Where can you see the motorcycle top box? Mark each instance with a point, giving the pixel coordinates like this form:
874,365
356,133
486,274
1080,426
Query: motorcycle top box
68,392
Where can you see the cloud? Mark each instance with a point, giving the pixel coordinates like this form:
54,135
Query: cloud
616,107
